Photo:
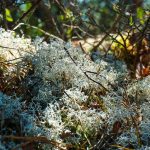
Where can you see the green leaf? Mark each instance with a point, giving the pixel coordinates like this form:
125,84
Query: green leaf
140,14
131,21
69,14
61,17
69,31
25,7
8,15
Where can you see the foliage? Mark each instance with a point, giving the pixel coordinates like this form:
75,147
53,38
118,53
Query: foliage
66,18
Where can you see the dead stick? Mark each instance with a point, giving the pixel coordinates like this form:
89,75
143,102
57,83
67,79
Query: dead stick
40,139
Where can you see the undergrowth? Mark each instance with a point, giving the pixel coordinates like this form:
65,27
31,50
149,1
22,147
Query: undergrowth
53,96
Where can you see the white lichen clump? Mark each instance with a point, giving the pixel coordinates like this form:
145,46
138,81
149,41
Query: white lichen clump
76,98
14,47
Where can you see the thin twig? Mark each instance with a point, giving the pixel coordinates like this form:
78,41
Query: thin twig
15,49
11,60
39,139
84,72
33,7
109,31
39,29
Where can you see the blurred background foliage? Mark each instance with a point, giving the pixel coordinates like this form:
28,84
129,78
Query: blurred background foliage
67,19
